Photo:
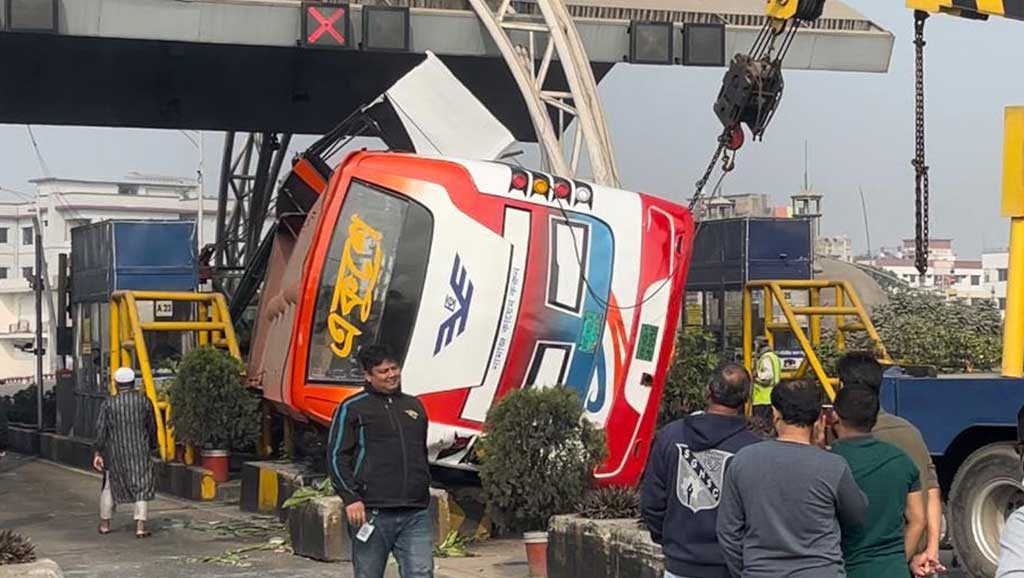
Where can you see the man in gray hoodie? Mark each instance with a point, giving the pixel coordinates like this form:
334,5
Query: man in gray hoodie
783,500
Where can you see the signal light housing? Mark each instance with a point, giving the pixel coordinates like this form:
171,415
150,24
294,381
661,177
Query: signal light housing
584,195
562,189
541,187
520,181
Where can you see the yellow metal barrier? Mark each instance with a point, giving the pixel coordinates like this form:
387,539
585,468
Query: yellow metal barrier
847,304
127,336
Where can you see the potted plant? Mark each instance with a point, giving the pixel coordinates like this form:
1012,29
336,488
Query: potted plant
212,409
538,455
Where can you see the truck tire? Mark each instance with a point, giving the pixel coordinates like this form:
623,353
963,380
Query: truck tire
986,489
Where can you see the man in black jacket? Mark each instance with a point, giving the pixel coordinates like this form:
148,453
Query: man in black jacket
377,459
682,487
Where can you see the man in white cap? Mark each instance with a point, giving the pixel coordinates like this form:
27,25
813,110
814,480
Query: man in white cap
125,432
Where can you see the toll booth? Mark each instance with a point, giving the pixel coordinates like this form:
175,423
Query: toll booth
727,253
112,256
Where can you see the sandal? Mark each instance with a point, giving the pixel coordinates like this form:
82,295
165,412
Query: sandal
103,530
145,534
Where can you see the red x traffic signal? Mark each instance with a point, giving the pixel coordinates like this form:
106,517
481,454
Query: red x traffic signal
325,24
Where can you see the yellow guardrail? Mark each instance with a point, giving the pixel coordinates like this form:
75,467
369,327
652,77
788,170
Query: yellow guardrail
128,342
846,304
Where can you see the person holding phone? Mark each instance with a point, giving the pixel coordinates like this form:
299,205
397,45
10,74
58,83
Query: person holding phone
377,460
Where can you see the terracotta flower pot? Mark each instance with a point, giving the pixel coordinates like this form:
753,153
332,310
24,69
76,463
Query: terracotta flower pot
537,553
218,462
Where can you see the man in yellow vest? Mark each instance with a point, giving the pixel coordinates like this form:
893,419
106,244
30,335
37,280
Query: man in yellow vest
767,373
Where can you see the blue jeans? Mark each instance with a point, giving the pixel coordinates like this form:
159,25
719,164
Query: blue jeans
406,533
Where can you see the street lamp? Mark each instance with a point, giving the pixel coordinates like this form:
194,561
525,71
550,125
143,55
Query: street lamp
197,142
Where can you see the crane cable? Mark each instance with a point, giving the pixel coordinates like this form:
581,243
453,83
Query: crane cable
921,184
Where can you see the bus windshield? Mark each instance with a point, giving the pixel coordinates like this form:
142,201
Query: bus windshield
371,282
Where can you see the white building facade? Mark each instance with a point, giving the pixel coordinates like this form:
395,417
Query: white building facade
996,265
61,205
839,248
955,278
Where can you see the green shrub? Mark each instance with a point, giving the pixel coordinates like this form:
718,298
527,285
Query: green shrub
538,455
210,406
924,328
21,407
696,357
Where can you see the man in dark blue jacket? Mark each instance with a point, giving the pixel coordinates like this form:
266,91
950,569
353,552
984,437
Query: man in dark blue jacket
683,484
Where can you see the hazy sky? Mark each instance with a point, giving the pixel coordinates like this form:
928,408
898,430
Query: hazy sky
860,129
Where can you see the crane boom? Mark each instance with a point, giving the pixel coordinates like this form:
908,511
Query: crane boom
974,9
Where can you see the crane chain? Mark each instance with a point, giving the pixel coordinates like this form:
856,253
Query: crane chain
921,183
703,181
763,49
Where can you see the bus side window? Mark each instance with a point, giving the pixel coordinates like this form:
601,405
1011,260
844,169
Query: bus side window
570,251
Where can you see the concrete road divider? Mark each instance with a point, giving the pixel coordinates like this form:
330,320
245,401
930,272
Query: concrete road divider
266,485
177,479
585,548
319,529
23,440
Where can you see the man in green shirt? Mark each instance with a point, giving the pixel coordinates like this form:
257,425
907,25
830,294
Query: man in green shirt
861,369
886,543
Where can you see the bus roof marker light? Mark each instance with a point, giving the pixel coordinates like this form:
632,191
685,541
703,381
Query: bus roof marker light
584,195
541,187
562,190
520,181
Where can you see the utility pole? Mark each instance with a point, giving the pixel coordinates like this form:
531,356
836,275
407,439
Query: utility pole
202,195
37,285
867,227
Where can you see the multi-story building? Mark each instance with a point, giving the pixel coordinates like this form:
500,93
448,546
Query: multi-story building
61,205
738,205
996,265
839,248
953,277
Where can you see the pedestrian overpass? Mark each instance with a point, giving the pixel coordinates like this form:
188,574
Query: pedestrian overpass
249,65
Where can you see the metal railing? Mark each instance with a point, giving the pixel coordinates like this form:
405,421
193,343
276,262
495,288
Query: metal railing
128,337
846,304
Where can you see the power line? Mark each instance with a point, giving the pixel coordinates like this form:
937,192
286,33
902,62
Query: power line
24,196
39,155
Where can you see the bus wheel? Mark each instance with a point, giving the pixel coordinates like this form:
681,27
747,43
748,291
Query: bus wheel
987,488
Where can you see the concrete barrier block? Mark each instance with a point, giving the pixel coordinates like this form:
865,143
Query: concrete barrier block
584,548
468,513
82,453
318,530
249,501
188,482
266,485
40,569
62,449
177,480
201,485
46,446
440,514
24,440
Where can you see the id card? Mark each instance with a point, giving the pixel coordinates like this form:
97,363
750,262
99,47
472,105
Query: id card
364,533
